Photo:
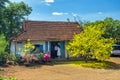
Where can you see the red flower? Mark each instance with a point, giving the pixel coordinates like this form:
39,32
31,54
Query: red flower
46,56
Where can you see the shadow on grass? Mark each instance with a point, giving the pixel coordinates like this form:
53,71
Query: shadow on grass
112,65
36,65
91,64
30,65
78,62
4,66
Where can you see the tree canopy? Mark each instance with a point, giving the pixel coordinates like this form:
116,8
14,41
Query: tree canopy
14,14
2,8
11,17
111,27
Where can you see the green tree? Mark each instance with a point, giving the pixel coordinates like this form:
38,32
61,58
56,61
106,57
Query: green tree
111,27
91,44
14,14
2,8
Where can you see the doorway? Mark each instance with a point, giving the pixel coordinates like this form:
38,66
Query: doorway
53,51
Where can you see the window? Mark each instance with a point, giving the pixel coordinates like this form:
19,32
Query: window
41,47
38,48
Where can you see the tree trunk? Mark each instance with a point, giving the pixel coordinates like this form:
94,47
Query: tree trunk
86,58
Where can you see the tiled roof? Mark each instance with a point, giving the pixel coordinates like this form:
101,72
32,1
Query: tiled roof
47,31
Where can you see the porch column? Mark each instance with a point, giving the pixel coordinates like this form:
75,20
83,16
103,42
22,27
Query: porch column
46,46
62,47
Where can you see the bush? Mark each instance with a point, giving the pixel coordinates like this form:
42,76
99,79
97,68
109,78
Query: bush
4,78
29,58
39,56
3,58
13,59
3,44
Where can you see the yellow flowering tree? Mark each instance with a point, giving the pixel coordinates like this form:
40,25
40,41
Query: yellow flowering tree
91,44
28,47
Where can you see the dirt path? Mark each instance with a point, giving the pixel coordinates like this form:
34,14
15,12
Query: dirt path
63,72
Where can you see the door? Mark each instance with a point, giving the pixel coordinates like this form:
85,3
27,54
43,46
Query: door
52,49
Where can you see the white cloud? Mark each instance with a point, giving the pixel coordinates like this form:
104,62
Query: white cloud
17,0
97,16
48,4
49,1
83,17
74,14
100,13
59,13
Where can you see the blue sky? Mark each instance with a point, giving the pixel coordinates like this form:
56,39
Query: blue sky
60,10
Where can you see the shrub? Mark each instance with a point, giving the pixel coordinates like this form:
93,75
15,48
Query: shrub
46,57
13,59
4,78
29,58
3,44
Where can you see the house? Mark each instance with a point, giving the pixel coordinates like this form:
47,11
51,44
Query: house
45,35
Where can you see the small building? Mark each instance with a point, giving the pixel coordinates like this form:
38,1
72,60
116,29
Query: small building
45,35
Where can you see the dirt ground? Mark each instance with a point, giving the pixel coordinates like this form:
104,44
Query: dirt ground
62,72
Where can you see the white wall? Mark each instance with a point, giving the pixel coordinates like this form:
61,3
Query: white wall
12,47
17,45
21,45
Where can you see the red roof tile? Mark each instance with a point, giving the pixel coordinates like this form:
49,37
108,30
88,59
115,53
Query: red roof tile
48,31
